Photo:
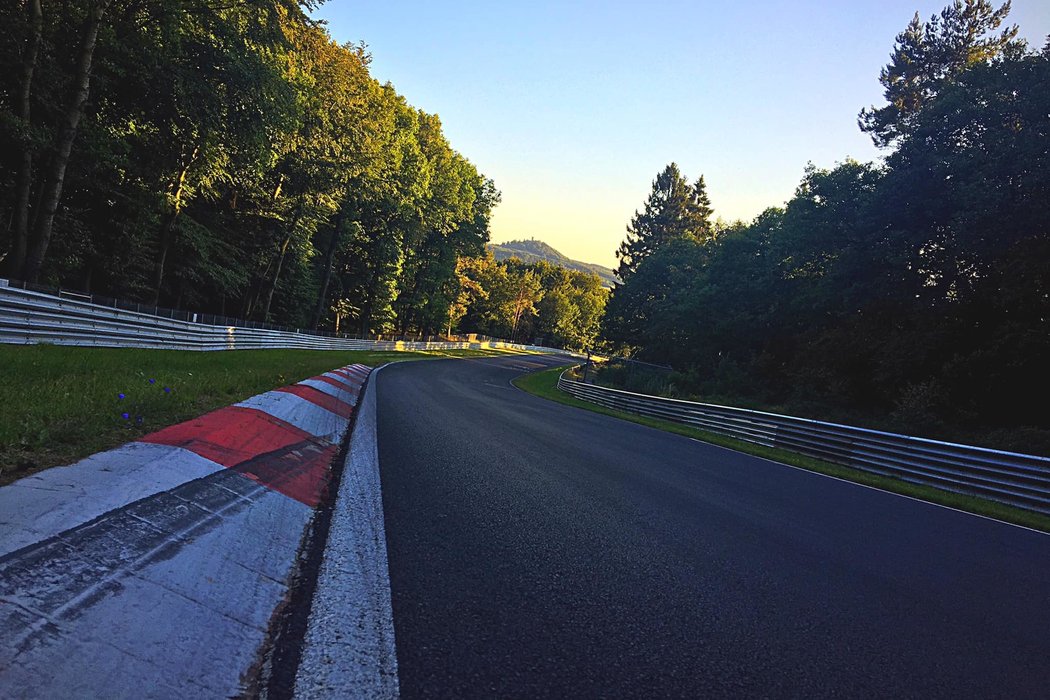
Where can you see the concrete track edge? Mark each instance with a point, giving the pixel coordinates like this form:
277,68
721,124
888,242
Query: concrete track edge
349,649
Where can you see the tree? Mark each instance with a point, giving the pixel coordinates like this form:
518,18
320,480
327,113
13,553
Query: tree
53,176
909,295
570,311
230,157
85,42
20,233
927,56
209,70
674,210
452,224
643,312
485,290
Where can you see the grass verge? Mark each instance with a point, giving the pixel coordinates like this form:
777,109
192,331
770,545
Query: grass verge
59,404
545,385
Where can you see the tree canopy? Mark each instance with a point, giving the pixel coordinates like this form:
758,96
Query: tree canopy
674,210
911,294
230,158
929,56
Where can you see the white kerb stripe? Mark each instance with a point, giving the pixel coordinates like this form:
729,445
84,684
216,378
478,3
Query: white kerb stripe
50,502
303,414
326,388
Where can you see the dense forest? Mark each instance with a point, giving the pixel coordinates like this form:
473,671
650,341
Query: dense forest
232,158
541,301
910,294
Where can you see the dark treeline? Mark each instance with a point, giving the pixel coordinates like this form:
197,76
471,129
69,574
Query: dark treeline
913,294
228,158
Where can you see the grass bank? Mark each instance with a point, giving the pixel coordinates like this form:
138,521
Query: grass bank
59,404
545,385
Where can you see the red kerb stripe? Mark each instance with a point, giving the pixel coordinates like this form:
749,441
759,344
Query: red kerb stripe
266,449
350,377
299,471
319,398
230,435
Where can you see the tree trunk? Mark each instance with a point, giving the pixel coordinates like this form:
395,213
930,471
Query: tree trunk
256,292
518,309
329,257
280,258
166,239
20,233
252,297
167,232
366,319
52,189
369,301
276,277
414,314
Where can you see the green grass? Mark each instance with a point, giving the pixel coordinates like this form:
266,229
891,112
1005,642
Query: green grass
59,404
545,385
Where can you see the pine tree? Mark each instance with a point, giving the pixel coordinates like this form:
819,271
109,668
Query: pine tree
674,210
927,56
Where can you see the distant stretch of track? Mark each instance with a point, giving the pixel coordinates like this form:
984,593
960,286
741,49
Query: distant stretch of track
541,550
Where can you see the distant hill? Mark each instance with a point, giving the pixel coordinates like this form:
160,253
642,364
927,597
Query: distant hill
531,251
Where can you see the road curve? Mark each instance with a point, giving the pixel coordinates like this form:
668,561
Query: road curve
539,550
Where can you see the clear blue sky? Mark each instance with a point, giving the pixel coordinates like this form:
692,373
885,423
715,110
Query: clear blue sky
573,107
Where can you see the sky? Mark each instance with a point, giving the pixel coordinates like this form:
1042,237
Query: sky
574,107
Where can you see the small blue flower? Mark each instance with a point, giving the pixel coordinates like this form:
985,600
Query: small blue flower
120,396
125,416
138,420
153,381
167,390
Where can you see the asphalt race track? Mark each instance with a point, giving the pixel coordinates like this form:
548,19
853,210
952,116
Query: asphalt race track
539,550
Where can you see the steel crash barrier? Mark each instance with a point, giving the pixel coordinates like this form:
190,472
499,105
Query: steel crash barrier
28,317
1015,479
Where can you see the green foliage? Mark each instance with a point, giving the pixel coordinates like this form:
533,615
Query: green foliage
675,210
234,159
529,301
929,56
911,295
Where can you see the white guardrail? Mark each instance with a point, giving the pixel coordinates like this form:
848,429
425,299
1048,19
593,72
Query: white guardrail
1008,477
28,317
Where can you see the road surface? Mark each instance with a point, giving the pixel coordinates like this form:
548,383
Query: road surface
540,550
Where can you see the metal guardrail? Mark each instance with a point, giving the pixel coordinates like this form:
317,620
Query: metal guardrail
30,317
1015,479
